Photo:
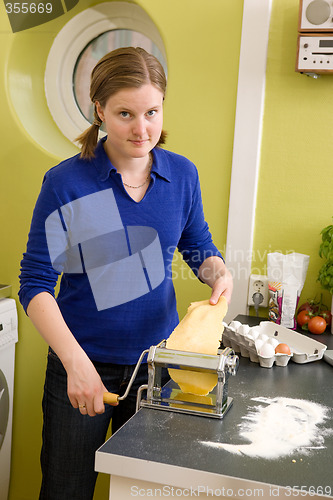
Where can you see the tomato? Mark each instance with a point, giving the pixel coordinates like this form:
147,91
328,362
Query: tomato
303,318
313,308
310,306
317,325
327,316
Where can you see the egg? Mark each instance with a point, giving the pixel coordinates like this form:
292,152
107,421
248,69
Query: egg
263,337
259,343
282,349
253,333
234,325
243,329
266,351
274,342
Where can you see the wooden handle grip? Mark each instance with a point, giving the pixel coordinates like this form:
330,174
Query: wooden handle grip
110,398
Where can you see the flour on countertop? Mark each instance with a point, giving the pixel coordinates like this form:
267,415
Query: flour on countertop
279,427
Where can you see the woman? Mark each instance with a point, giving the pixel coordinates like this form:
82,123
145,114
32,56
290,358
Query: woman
109,220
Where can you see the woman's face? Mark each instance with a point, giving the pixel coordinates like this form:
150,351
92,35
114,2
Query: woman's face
133,121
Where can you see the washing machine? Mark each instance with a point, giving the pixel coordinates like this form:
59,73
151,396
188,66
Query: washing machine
8,339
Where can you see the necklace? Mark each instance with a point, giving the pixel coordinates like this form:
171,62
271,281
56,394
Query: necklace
147,178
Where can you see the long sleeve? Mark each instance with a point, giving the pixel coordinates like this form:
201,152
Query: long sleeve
196,243
37,273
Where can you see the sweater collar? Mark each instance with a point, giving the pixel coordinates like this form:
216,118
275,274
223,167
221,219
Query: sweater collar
105,167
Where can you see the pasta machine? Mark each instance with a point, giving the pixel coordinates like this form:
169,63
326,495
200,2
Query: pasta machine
170,397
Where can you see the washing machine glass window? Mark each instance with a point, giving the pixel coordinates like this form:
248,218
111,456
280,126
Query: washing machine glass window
94,51
79,45
4,407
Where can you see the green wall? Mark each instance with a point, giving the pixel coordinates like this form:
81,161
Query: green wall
294,200
202,41
199,117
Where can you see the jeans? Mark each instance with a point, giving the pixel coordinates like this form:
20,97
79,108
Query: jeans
71,439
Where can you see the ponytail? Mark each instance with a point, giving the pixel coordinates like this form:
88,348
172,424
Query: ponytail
89,138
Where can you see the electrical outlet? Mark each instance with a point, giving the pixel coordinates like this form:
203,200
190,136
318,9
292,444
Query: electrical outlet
258,284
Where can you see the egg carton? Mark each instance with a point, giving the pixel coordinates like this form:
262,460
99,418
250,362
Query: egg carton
259,342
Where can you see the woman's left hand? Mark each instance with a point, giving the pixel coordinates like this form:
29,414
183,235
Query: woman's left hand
214,273
222,286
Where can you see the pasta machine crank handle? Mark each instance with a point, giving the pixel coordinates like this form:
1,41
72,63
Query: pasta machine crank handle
111,398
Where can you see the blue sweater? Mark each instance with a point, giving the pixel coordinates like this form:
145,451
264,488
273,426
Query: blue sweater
114,254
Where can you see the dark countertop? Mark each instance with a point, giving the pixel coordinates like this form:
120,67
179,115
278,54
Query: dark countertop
173,439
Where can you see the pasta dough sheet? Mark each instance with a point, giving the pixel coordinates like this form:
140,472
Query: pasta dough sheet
203,400
189,381
199,331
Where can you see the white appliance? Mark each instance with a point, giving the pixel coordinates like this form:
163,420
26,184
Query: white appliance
8,338
315,53
315,15
315,37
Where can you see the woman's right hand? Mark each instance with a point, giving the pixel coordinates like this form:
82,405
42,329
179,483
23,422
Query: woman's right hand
84,385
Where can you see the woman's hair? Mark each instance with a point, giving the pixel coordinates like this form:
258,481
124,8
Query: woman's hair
129,67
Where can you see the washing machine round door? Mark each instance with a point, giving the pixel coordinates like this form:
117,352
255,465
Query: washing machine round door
4,407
